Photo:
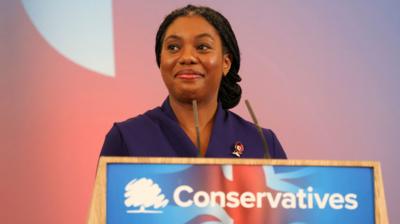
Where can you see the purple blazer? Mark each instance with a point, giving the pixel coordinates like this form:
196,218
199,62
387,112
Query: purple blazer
157,133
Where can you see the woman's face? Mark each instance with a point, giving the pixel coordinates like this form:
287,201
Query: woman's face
192,60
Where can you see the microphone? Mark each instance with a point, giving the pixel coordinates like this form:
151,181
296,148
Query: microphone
260,132
196,126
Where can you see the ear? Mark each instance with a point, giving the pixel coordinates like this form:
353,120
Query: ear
226,64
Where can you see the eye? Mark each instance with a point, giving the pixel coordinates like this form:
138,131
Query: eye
203,47
172,47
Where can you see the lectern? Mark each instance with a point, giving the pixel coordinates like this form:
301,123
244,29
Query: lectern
209,190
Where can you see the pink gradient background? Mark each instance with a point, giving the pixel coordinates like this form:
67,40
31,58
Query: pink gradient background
323,75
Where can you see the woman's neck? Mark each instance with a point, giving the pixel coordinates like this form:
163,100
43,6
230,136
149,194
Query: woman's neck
185,116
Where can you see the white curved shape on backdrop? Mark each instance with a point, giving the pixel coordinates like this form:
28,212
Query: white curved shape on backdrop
82,31
227,170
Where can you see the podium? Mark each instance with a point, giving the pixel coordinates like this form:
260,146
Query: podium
212,190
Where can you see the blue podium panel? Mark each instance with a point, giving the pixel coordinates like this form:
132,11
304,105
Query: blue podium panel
180,193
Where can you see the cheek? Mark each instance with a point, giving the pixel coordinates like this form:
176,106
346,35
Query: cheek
166,64
213,65
167,61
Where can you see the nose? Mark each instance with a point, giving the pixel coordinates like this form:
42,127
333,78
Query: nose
188,56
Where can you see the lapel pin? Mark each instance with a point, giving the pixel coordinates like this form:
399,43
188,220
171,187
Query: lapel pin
238,149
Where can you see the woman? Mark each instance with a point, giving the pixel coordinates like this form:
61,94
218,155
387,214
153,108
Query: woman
199,59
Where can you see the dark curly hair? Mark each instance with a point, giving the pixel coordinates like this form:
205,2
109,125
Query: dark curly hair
229,92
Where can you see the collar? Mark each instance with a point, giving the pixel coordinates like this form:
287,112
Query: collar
217,131
166,108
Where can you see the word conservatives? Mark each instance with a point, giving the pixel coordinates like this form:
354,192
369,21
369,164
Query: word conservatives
184,196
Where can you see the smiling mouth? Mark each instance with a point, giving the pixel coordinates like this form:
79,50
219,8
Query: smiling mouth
188,75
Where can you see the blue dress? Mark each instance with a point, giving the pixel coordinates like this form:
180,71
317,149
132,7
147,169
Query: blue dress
157,133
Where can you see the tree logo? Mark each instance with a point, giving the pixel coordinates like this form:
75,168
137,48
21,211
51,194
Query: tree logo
142,194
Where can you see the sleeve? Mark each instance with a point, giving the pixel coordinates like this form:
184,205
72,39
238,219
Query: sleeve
114,144
275,147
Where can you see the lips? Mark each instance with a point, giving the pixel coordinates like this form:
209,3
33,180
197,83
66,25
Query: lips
188,74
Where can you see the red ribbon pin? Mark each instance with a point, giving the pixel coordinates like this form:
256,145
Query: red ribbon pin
238,149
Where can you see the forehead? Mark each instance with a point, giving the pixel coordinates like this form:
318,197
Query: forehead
191,26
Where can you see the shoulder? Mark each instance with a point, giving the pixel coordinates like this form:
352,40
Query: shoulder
117,140
148,119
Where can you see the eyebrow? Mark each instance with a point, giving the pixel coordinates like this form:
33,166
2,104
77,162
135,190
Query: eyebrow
174,36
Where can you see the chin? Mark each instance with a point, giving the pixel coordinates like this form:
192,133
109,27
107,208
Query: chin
188,96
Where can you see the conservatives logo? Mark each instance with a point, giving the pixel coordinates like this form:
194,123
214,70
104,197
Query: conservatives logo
303,199
144,193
